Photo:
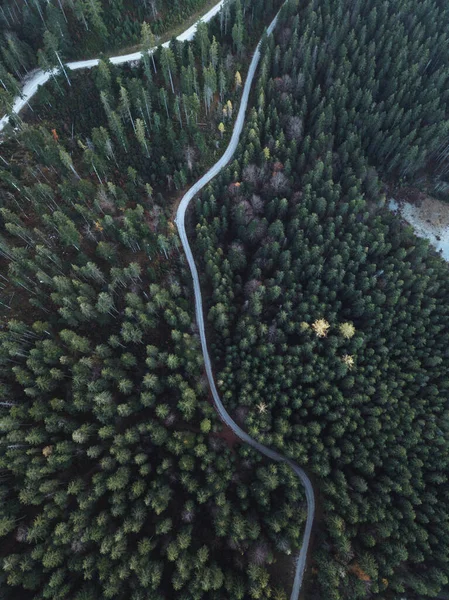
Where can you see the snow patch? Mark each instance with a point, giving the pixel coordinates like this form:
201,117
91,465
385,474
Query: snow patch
429,219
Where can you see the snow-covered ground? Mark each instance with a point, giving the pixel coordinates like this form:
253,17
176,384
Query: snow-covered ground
429,219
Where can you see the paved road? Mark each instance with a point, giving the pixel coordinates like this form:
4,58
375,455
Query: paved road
180,222
39,77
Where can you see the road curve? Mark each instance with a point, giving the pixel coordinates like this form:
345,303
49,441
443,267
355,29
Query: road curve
39,77
180,222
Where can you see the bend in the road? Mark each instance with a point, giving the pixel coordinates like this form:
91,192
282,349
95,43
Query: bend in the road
39,77
30,88
180,222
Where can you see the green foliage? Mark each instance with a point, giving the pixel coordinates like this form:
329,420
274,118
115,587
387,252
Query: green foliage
330,317
117,480
113,477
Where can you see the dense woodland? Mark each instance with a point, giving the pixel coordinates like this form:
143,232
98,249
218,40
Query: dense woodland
117,478
328,319
164,116
32,31
37,33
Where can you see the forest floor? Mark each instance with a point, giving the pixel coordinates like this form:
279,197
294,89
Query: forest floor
227,435
283,570
428,216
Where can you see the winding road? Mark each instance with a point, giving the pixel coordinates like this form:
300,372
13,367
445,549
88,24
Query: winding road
39,77
180,222
30,88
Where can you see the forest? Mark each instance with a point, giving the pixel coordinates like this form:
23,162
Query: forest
33,30
118,479
42,34
329,317
328,322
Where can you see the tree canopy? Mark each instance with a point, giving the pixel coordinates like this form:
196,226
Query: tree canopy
330,317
